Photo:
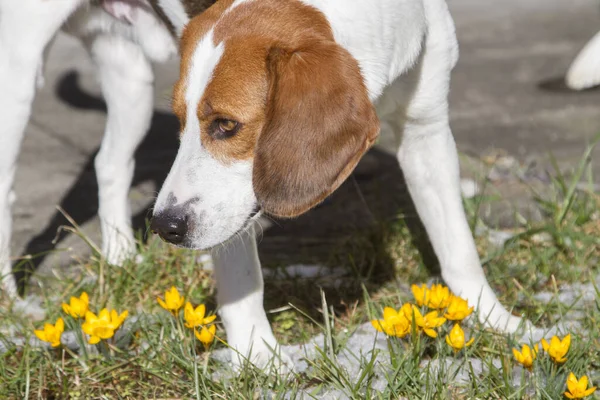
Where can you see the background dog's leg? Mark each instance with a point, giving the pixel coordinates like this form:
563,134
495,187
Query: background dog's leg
240,297
127,84
26,28
584,71
429,160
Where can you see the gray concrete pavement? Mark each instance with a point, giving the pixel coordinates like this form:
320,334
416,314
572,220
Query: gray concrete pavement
504,96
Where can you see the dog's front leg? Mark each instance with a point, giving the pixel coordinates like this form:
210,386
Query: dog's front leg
240,297
429,161
127,84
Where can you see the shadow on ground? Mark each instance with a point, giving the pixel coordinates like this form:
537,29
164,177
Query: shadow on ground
349,227
559,85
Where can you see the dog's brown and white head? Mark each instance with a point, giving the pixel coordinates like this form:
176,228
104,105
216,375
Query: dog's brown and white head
274,116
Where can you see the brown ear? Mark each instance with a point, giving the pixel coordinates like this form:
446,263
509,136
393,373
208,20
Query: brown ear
319,123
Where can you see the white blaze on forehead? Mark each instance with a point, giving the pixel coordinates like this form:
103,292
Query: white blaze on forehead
219,197
200,71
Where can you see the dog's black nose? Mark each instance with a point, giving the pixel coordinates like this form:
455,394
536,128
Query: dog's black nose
169,227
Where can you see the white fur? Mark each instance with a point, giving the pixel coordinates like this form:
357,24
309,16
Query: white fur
584,72
385,36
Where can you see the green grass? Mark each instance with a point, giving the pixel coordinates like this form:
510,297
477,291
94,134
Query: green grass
160,359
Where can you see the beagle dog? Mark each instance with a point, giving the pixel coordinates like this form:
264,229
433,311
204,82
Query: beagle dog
278,100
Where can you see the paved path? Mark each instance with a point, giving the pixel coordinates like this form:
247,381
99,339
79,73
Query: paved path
504,96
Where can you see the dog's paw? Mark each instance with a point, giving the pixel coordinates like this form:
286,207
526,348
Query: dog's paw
509,323
529,333
118,249
268,357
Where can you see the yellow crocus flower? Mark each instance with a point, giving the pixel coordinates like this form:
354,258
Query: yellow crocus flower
206,335
578,389
557,349
429,322
420,294
438,297
456,338
526,356
196,317
102,326
394,323
458,309
77,307
51,333
173,300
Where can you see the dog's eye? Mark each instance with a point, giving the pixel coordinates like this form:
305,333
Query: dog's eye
222,128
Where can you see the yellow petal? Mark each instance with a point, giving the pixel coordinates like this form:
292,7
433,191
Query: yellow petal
378,324
206,335
566,342
545,345
84,297
162,303
517,355
589,391
209,319
583,383
569,395
123,315
90,316
470,342
419,293
572,383
40,335
389,312
200,311
188,310
66,308
104,315
60,325
430,332
93,340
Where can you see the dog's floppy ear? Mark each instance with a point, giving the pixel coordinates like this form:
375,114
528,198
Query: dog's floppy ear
319,123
